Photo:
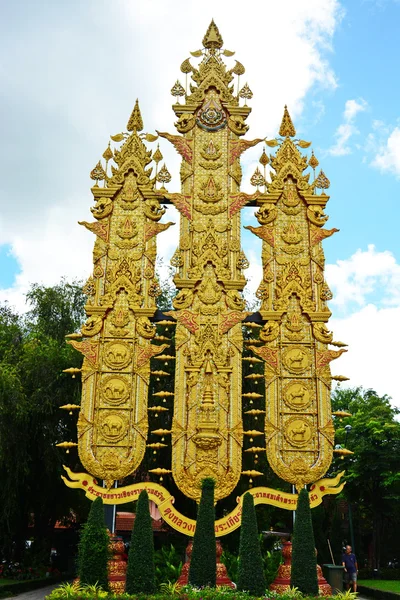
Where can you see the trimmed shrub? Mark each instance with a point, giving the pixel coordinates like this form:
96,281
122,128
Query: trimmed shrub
93,552
203,564
140,574
251,573
304,560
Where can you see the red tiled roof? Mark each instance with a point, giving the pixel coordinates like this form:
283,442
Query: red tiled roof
124,522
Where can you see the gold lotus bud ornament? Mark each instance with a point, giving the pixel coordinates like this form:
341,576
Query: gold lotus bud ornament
313,162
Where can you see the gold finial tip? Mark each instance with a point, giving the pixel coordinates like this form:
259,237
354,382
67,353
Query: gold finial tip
135,122
213,39
287,128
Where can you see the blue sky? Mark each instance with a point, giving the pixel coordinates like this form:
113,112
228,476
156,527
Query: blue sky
70,73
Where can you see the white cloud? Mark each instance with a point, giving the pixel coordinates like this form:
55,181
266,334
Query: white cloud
365,274
60,106
347,129
387,158
366,316
372,334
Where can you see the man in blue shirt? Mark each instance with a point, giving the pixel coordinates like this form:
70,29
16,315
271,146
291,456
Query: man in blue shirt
349,562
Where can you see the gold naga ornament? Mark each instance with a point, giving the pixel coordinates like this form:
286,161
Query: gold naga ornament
299,431
117,340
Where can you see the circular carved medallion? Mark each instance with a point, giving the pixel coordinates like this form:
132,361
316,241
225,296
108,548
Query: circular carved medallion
298,431
296,359
114,390
117,355
113,427
297,395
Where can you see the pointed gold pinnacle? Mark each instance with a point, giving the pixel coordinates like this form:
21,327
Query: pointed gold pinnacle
313,162
212,39
264,160
108,153
135,122
287,128
157,156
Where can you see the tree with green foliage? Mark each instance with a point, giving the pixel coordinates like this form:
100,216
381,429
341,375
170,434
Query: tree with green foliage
304,560
372,472
33,354
251,572
203,563
93,550
140,575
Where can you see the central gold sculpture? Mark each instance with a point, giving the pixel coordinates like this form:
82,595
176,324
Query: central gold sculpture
209,310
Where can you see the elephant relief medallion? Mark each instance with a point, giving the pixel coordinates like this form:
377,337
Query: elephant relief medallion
114,390
298,432
117,355
297,395
296,359
113,427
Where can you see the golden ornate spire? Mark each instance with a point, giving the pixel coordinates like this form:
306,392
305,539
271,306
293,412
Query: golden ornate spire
116,340
212,39
135,122
287,128
294,294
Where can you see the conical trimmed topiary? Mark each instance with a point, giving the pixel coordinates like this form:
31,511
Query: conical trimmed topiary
304,560
251,572
140,574
203,563
93,552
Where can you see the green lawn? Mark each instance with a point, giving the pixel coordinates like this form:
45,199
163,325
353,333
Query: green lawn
380,584
7,581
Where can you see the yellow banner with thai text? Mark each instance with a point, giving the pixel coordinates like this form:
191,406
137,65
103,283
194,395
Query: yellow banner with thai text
165,501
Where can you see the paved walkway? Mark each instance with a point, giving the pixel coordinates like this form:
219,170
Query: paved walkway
39,594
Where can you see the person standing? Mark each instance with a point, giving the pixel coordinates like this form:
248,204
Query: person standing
349,562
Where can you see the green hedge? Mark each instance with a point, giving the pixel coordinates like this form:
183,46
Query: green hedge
140,575
304,560
93,551
203,563
251,573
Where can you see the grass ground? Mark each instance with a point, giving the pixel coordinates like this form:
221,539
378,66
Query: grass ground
8,581
380,584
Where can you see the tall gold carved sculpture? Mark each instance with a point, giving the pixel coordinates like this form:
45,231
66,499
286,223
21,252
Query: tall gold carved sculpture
298,429
117,336
207,430
209,311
